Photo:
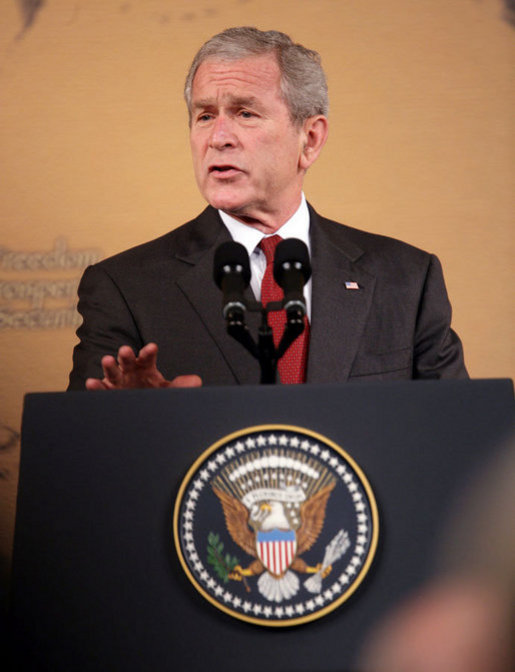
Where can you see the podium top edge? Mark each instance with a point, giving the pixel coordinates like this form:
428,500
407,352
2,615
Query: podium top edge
387,385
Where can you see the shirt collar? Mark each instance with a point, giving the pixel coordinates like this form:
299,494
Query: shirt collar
296,227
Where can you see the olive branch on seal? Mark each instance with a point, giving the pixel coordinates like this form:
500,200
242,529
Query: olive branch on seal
222,564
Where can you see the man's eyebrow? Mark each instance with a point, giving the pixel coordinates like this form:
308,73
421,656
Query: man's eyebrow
244,101
233,101
202,104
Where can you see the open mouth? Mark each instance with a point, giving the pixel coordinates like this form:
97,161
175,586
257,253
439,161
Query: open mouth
223,170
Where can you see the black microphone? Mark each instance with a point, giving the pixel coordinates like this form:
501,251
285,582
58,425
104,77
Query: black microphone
231,272
292,270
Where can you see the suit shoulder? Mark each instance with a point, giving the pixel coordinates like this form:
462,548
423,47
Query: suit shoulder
373,246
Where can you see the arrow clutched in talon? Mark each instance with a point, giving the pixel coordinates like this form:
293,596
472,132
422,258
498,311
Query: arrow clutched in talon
333,552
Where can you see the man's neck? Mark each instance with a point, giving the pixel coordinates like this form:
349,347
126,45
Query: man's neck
297,226
267,223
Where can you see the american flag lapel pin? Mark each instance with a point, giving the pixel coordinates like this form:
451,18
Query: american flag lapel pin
350,284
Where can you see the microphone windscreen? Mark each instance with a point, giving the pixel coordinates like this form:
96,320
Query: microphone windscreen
231,257
291,253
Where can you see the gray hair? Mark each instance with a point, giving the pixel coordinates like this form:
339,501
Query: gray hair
303,82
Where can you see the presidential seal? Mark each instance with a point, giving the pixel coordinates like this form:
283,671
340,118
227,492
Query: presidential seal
275,525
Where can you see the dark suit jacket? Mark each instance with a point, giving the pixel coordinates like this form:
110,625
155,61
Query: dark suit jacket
395,326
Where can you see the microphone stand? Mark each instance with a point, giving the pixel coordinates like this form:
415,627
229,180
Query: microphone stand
231,273
264,350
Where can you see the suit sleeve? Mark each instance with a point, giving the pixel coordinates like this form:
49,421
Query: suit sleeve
438,352
107,323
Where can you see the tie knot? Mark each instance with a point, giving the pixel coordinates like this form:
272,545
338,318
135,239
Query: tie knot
268,246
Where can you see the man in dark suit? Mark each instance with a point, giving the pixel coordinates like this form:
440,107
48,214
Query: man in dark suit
378,308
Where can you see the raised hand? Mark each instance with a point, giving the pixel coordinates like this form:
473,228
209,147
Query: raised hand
129,371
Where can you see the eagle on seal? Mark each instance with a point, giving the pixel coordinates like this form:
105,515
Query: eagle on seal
275,533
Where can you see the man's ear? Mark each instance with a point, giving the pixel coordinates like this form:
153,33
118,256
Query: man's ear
314,131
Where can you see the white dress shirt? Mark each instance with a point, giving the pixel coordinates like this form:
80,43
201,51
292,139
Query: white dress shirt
296,227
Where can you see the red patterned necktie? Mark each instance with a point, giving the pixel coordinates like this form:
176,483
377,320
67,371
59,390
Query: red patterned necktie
292,365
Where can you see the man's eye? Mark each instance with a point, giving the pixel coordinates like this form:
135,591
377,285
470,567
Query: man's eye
246,114
204,117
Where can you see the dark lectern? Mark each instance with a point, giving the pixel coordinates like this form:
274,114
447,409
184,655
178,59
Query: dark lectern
97,584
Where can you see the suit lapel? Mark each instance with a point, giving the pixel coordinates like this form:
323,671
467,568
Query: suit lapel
198,286
339,313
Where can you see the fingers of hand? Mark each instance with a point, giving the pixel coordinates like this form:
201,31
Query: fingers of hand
138,371
131,371
126,359
112,372
95,384
147,356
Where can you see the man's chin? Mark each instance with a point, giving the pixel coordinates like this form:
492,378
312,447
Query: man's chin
231,205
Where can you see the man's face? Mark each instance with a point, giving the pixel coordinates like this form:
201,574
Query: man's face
246,150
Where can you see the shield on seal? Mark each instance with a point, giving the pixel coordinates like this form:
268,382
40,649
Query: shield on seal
276,549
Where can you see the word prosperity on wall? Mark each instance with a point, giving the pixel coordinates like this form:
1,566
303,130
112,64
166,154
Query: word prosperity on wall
35,301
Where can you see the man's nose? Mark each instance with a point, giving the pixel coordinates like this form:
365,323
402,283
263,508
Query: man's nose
222,133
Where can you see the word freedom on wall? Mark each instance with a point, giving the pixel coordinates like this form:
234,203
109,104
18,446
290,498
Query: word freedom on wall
31,296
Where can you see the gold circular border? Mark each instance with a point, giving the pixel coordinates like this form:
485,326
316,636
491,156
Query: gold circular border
301,619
